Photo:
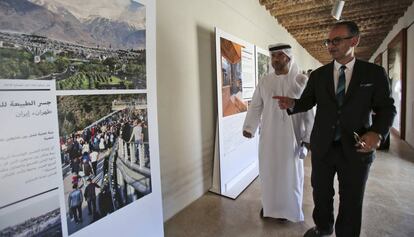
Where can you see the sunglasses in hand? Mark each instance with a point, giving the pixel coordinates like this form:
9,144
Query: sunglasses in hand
358,140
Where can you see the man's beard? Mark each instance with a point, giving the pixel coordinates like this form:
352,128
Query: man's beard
278,66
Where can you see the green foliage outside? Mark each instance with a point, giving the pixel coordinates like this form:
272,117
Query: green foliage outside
72,73
19,64
77,112
93,80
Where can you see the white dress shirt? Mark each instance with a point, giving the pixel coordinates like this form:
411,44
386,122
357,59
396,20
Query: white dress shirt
348,73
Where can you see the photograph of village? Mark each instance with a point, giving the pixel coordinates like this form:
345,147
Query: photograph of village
79,45
105,154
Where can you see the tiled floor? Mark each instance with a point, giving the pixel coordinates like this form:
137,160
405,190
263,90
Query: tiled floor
388,205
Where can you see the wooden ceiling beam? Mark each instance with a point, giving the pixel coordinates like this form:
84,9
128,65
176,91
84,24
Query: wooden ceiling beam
324,29
321,33
360,52
319,46
296,8
317,10
372,12
267,2
309,21
304,22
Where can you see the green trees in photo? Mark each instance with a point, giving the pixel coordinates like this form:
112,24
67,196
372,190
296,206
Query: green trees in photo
72,72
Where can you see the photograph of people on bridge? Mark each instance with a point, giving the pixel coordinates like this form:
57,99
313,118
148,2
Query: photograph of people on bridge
105,154
76,43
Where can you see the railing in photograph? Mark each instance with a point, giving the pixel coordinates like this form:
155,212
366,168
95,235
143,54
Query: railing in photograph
128,176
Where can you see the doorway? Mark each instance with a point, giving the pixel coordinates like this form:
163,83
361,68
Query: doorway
397,61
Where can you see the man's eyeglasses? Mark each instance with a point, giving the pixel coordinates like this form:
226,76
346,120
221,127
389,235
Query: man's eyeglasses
335,41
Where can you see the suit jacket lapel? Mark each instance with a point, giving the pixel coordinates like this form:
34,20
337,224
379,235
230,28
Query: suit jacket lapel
355,81
330,80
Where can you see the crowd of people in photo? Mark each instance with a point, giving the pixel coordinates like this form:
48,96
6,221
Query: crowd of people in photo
83,150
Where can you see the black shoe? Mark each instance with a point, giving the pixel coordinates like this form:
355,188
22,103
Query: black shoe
281,220
315,232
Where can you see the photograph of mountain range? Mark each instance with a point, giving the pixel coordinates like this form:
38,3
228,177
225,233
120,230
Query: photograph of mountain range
96,44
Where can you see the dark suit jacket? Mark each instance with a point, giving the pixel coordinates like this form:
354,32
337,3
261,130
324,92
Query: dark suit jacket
368,91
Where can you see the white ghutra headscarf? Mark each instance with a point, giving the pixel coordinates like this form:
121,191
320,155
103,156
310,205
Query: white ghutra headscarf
296,83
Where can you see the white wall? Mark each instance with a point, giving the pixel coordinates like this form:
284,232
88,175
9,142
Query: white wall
404,22
186,85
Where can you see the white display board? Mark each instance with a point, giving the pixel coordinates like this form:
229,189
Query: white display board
78,105
29,157
236,157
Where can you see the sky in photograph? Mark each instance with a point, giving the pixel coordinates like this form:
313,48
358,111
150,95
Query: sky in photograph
34,207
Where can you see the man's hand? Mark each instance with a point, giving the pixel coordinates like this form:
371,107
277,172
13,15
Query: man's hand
247,134
370,141
285,102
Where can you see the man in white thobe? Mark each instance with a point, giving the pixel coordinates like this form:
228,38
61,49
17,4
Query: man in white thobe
282,137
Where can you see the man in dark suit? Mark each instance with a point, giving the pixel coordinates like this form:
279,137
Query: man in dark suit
346,91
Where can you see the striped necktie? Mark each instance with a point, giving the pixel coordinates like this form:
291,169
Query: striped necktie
340,89
340,95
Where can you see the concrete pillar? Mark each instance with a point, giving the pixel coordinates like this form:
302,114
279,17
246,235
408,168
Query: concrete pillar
125,151
141,155
132,152
131,193
120,148
121,185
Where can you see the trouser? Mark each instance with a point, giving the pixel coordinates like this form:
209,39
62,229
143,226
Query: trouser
352,177
94,167
77,212
91,205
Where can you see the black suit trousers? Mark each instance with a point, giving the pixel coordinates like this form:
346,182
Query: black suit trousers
352,176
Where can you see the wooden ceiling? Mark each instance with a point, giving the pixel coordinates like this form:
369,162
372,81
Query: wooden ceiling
309,21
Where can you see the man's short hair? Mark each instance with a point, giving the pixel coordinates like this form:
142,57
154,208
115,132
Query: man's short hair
352,27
